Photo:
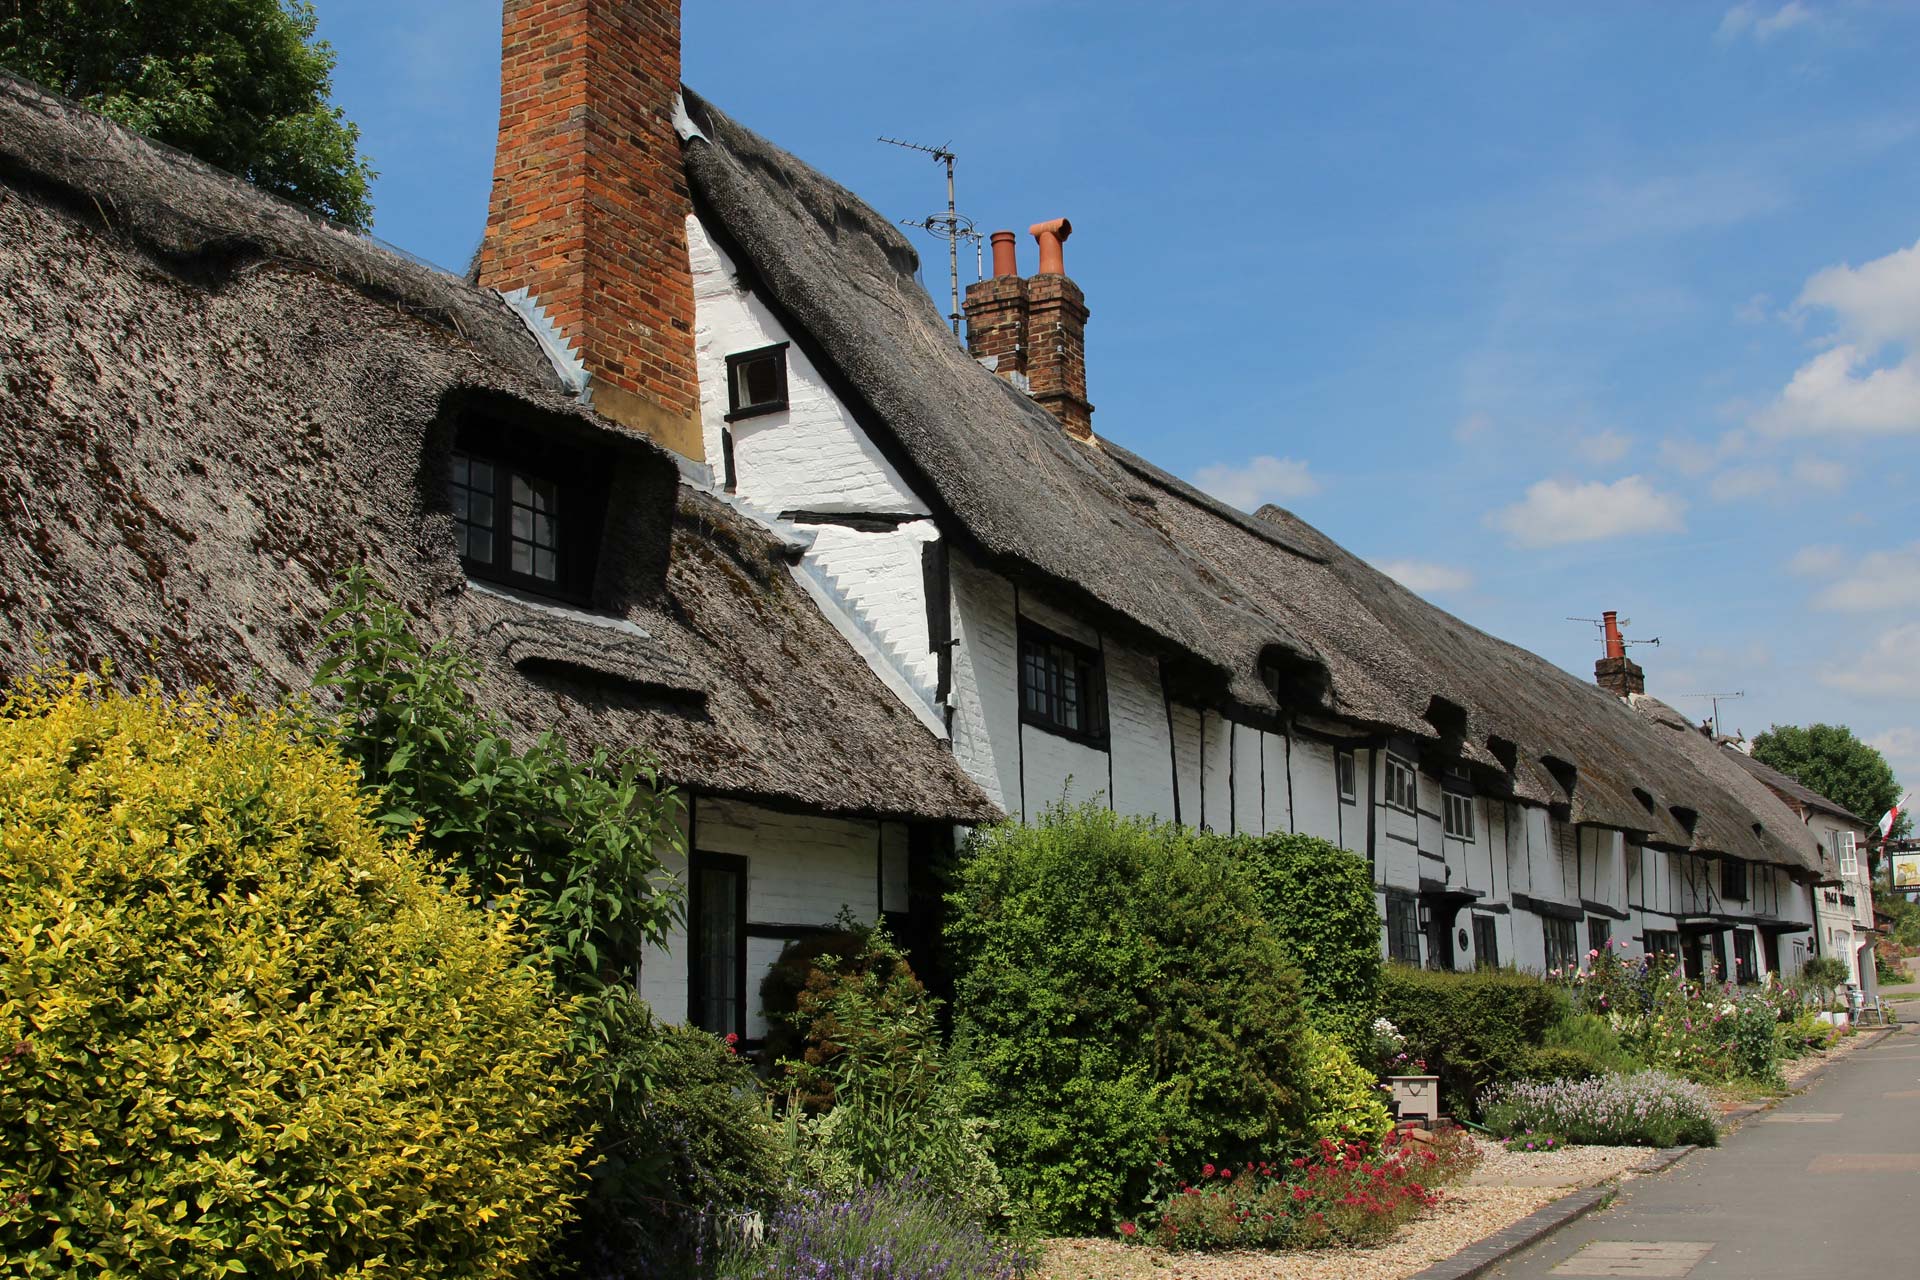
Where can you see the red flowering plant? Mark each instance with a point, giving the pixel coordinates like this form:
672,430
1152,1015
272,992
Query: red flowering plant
1346,1193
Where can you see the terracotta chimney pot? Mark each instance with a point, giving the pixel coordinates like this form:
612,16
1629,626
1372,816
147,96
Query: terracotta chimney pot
1052,236
1004,261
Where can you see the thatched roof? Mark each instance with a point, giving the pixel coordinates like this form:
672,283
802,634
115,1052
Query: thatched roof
1227,598
213,402
1791,787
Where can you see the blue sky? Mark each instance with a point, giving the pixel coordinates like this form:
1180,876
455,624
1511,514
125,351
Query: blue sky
1547,309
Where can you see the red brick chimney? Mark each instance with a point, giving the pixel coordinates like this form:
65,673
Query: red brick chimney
589,209
1035,330
1617,673
996,310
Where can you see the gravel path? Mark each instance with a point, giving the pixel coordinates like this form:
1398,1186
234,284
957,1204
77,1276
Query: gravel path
1484,1204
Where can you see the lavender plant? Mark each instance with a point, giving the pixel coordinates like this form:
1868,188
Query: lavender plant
1647,1108
888,1231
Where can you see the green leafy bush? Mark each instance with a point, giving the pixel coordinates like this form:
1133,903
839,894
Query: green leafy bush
248,1032
895,1111
1320,904
1121,999
1471,1028
1343,1099
685,1145
780,989
1557,1062
1595,1037
1825,974
581,840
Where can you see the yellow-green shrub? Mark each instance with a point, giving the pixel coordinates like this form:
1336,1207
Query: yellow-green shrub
242,1033
1344,1102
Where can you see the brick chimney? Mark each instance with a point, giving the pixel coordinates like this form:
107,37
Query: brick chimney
1035,330
996,310
589,208
1617,673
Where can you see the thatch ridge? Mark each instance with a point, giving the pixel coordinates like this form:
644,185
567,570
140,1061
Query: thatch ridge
1799,790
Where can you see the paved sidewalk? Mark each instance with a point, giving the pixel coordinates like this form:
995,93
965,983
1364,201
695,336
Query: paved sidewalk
1827,1183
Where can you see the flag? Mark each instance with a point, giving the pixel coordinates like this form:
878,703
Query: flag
1893,816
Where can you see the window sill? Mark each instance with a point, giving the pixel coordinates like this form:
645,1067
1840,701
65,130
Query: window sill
756,411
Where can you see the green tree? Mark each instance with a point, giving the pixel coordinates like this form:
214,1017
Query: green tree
1830,760
242,84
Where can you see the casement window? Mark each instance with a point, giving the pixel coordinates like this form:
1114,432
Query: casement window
1563,946
1458,813
1402,790
1663,942
1845,849
1746,966
757,382
717,943
1343,770
1403,928
1063,686
1599,933
527,512
1486,943
1733,880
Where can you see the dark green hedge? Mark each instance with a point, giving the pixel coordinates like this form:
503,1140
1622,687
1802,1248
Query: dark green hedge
1122,999
1319,900
1473,1029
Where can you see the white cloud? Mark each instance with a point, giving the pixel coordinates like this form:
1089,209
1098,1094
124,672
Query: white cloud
1556,511
1739,483
1748,19
1848,388
1836,393
1425,577
1886,669
1817,560
1821,473
1879,580
1754,310
1697,457
1901,746
1608,446
1257,481
1877,302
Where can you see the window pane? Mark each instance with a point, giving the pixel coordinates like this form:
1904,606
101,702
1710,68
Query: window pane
480,545
717,950
482,477
757,381
522,557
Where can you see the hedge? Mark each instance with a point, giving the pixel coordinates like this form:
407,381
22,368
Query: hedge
1473,1029
1319,900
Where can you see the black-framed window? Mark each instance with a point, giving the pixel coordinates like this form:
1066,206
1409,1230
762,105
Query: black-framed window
1457,815
1663,942
1403,928
1063,685
1563,944
1403,792
1599,933
1343,769
1733,880
1486,943
1746,964
757,382
527,510
717,943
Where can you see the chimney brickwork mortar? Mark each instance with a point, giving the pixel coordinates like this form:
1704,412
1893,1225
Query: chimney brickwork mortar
996,311
1620,676
589,208
1057,351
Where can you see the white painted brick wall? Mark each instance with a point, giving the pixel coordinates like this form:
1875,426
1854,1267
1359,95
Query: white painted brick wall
1315,790
812,455
1060,770
1186,738
986,718
1217,803
802,868
1250,796
1142,758
880,574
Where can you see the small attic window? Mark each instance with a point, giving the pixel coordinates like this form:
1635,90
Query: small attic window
757,382
527,510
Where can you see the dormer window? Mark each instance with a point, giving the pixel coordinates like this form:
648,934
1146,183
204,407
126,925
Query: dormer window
1063,686
526,511
757,382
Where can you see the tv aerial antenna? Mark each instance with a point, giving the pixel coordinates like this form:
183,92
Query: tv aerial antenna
1716,699
1600,625
949,226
